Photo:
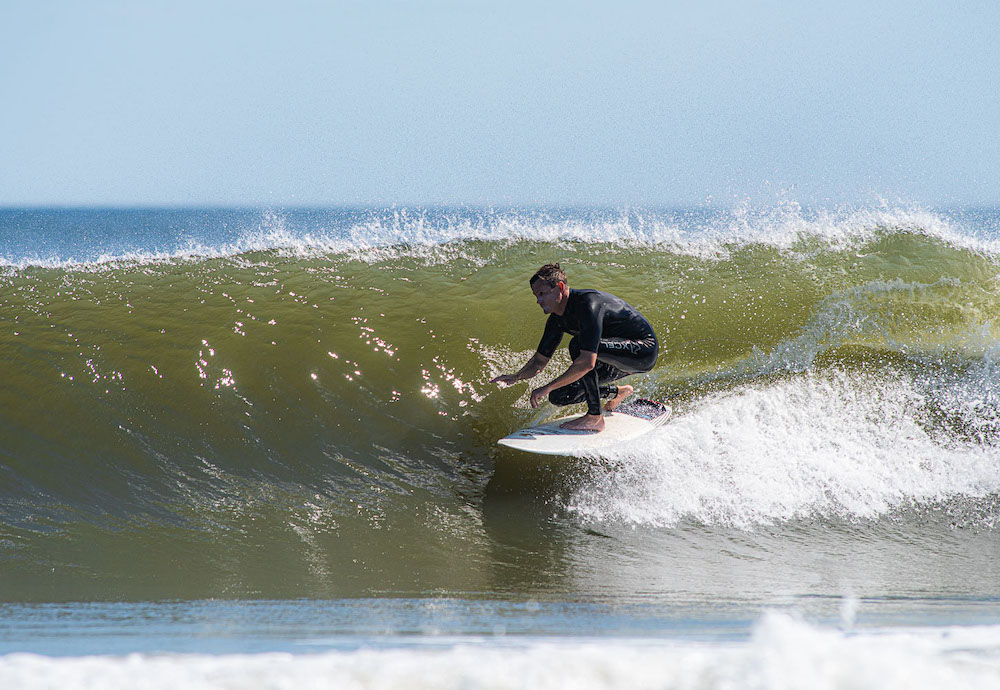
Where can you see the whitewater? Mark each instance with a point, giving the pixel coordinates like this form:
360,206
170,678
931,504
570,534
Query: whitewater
245,448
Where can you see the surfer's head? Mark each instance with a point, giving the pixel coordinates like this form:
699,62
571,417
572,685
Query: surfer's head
551,289
551,274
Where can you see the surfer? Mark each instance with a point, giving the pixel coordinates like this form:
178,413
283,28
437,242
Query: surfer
611,340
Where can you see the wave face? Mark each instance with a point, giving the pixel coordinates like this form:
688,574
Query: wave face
228,403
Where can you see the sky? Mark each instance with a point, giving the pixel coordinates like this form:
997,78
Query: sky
447,102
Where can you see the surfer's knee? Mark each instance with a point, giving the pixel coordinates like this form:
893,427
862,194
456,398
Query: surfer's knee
561,397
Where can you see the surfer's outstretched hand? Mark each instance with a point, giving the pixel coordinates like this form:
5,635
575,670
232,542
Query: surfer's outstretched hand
504,379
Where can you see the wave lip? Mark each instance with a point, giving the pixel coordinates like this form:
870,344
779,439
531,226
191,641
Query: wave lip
75,239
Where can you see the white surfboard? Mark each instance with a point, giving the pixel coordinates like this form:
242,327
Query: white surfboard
626,423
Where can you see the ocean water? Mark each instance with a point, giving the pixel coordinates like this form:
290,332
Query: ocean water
256,449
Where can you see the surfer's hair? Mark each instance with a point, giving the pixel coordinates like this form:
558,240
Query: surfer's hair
551,274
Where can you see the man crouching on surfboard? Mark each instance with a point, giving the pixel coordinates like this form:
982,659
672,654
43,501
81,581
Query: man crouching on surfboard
611,340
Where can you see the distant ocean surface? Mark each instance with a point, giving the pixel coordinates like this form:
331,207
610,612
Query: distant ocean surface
256,449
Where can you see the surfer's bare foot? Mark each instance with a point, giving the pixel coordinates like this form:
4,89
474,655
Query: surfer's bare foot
588,422
623,392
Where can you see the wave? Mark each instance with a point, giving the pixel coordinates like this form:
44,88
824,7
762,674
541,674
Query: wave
336,391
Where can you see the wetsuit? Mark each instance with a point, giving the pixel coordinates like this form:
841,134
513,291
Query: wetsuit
602,323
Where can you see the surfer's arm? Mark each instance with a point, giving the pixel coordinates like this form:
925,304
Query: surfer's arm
584,363
529,370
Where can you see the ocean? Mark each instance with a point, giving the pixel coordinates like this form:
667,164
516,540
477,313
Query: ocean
246,448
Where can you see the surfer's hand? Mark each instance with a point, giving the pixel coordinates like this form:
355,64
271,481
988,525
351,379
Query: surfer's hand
505,379
538,395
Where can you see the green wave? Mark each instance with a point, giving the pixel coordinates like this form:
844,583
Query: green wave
248,400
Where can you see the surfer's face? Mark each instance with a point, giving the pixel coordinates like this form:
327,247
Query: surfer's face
546,295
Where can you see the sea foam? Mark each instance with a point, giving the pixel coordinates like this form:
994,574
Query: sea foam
830,444
782,654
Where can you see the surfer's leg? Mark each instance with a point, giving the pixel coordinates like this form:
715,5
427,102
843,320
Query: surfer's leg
619,357
597,384
623,391
589,387
594,386
606,376
616,358
629,356
583,390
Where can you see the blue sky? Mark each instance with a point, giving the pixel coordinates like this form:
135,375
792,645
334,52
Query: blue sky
498,103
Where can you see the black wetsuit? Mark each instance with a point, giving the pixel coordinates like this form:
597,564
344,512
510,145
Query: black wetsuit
602,323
